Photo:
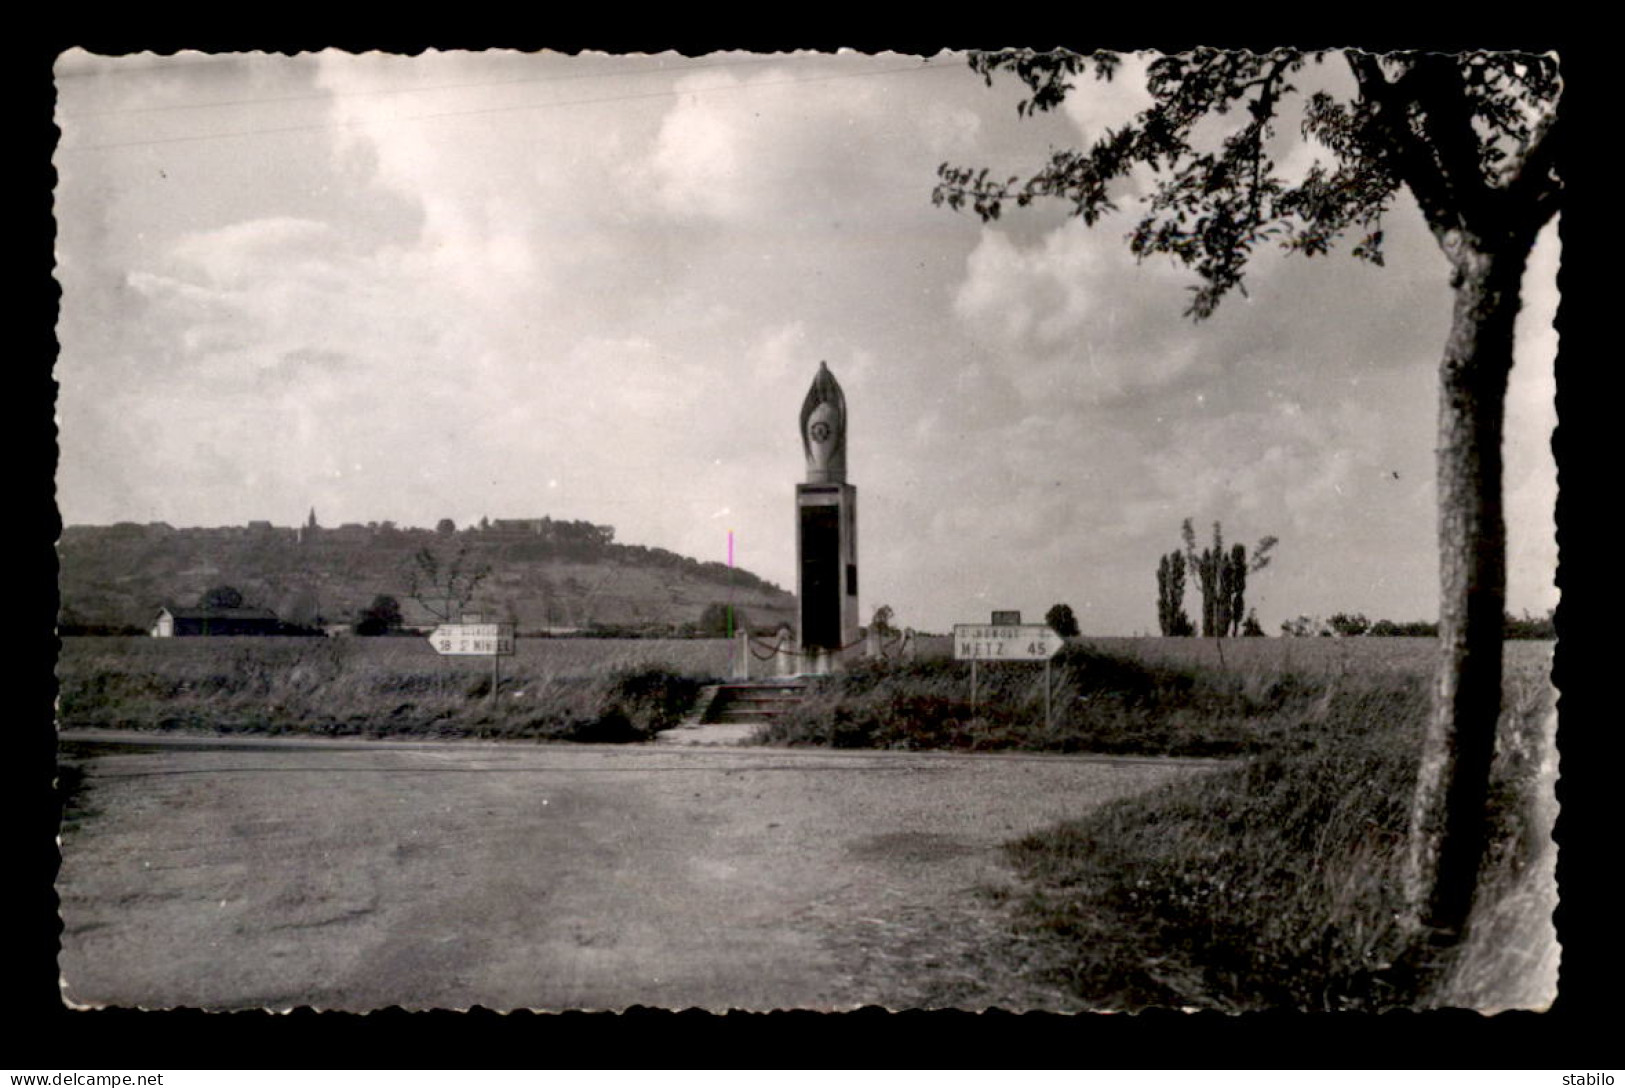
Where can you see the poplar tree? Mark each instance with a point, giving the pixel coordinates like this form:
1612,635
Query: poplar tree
1172,619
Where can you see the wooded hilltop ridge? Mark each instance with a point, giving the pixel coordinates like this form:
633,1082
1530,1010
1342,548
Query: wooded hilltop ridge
543,575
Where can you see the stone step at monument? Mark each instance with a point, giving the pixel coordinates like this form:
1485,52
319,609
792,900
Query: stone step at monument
753,701
702,707
745,717
739,716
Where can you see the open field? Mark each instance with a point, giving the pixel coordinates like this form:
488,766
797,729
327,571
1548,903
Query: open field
699,657
1310,656
589,689
1180,696
1134,696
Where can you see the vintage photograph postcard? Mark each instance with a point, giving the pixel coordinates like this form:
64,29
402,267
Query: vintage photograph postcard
807,530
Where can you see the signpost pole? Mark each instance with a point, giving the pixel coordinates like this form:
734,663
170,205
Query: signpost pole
1046,693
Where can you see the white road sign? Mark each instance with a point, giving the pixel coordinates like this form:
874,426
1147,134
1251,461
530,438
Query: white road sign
991,642
473,638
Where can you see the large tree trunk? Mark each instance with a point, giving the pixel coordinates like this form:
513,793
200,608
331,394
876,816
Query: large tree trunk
1448,812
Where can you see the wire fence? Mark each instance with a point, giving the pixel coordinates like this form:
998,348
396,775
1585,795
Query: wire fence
897,645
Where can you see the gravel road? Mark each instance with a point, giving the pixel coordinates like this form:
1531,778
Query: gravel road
355,876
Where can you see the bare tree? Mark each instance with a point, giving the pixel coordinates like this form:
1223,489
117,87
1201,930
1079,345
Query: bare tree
445,586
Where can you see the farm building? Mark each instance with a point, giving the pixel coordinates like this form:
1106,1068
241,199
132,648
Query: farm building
178,622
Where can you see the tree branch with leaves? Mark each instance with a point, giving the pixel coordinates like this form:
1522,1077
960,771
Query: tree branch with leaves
1475,138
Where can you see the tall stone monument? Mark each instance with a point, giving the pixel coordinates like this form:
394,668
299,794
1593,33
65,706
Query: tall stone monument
826,532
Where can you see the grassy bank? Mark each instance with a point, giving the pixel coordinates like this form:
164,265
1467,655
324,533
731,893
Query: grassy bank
1274,884
1119,696
585,690
1268,884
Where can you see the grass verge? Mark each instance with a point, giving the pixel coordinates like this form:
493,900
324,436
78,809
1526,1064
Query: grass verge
1099,702
361,687
1274,883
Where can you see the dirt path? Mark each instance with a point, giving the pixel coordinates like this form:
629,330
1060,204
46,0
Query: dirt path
357,876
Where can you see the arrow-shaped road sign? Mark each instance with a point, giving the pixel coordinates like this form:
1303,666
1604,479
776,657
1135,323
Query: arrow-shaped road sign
1018,642
473,638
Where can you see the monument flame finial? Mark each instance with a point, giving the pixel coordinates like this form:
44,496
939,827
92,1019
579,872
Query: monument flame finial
823,429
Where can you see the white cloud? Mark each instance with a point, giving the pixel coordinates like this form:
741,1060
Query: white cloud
697,160
252,251
1097,104
1078,299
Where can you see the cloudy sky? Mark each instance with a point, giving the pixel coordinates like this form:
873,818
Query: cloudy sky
509,285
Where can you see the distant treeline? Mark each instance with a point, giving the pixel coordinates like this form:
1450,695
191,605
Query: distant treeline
73,629
603,632
544,574
1356,625
528,539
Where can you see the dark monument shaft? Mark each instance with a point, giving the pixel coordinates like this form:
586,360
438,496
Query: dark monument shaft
826,531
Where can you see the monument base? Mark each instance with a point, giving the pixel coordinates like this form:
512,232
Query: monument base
819,662
826,575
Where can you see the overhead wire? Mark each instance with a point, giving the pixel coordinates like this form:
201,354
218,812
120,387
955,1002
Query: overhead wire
515,108
427,88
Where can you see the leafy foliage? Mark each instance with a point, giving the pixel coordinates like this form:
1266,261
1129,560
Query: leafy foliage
1222,578
1063,620
382,616
1172,619
1461,132
1413,629
1531,627
721,620
1349,625
1355,624
1303,627
881,622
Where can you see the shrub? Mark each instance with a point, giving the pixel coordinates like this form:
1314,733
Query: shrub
650,698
